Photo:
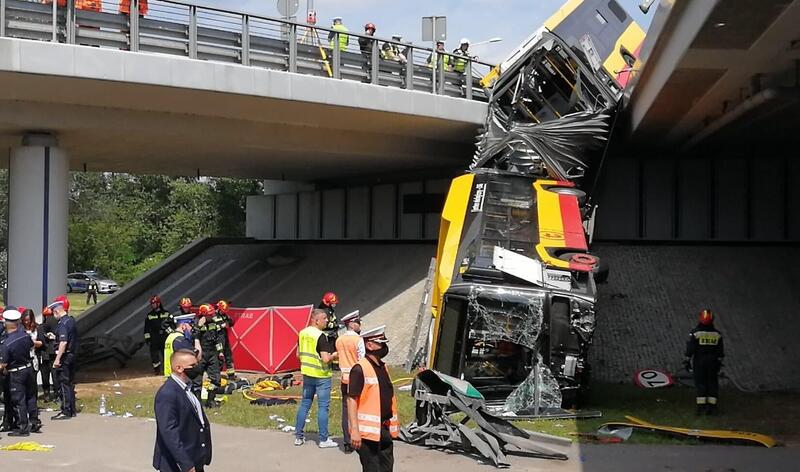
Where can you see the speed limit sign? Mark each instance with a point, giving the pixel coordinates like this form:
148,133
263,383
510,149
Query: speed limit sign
651,378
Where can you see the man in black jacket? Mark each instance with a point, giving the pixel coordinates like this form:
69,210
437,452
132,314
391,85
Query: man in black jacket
704,353
155,333
47,334
183,433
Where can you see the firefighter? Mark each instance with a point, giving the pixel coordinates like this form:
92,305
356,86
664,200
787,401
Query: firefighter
125,8
184,308
180,339
462,56
372,405
48,352
366,44
704,354
392,51
207,332
351,349
344,38
328,303
155,332
225,322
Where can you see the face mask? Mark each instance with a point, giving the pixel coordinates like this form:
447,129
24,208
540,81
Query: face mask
382,352
188,334
193,371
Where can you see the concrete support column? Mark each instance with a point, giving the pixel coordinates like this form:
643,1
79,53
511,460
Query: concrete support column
38,207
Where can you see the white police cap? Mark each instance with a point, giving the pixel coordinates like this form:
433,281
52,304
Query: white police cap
12,315
354,316
377,335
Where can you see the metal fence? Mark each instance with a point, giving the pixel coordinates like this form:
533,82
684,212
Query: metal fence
207,33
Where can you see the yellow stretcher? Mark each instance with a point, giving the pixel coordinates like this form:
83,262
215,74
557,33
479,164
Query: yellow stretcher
734,436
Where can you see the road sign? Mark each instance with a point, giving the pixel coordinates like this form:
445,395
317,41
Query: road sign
434,28
288,8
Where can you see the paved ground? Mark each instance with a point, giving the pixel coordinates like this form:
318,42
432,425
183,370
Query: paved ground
92,442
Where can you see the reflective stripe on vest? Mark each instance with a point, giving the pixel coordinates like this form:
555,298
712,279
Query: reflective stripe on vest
369,407
310,362
168,352
347,347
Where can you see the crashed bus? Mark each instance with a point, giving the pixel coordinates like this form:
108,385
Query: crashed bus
514,288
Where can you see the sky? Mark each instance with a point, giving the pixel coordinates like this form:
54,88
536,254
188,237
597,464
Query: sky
478,20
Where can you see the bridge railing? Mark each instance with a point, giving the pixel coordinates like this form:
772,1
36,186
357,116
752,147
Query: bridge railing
213,34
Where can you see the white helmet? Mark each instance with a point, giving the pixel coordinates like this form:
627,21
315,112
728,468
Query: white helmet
464,41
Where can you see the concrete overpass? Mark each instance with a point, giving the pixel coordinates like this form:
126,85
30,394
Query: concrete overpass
190,90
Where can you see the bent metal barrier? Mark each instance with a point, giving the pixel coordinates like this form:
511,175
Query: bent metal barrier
208,33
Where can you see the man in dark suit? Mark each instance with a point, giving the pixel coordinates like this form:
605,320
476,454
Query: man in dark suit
183,435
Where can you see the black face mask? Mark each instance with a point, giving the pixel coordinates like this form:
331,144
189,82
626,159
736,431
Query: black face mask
193,371
382,352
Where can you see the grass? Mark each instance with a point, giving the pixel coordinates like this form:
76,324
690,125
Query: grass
77,302
773,414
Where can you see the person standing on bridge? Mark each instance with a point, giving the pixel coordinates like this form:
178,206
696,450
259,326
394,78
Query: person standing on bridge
155,332
365,45
462,56
433,57
372,405
350,348
125,7
17,360
225,323
344,38
65,362
704,354
316,353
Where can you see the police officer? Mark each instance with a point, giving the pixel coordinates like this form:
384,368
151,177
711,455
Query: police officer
155,327
344,38
350,347
207,332
372,405
66,352
17,361
9,418
224,322
47,353
180,339
91,291
704,354
433,58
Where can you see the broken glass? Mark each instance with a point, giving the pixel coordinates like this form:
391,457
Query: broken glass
539,392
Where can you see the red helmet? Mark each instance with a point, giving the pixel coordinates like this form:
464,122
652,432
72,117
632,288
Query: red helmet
223,306
706,317
329,299
370,26
155,300
185,302
64,301
21,309
46,311
205,310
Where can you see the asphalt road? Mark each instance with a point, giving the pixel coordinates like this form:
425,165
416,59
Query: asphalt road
94,443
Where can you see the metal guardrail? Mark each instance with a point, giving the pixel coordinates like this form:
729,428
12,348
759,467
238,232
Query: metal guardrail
213,34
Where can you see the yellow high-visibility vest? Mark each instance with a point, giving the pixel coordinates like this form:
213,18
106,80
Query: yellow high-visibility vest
344,38
168,352
310,362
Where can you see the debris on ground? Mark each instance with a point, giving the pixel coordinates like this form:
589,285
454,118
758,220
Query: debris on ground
704,434
29,446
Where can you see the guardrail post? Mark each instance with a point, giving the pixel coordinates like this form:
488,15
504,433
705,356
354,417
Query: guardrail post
410,68
441,69
70,21
133,40
434,68
376,65
193,32
337,58
245,40
293,48
2,17
55,21
468,78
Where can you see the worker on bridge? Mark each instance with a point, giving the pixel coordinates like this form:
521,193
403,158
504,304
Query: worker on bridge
350,348
365,45
225,323
344,38
462,56
434,57
155,331
704,354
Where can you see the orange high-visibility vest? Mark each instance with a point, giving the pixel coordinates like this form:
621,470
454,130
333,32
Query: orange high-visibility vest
91,5
125,7
369,407
347,347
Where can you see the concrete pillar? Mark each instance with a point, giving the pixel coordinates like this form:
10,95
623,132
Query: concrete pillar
38,206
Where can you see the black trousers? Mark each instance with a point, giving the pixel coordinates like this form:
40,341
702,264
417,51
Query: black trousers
22,385
377,456
156,352
226,351
9,415
210,365
91,296
345,420
706,380
66,382
46,368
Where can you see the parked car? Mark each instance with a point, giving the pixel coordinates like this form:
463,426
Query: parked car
79,282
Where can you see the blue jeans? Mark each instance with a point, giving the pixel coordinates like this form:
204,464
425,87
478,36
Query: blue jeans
322,389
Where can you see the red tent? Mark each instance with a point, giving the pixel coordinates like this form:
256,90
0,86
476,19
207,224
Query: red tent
265,339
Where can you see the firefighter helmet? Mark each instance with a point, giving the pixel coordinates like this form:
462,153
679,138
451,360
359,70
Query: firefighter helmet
706,317
330,299
370,26
223,306
206,310
185,302
46,311
63,300
155,300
